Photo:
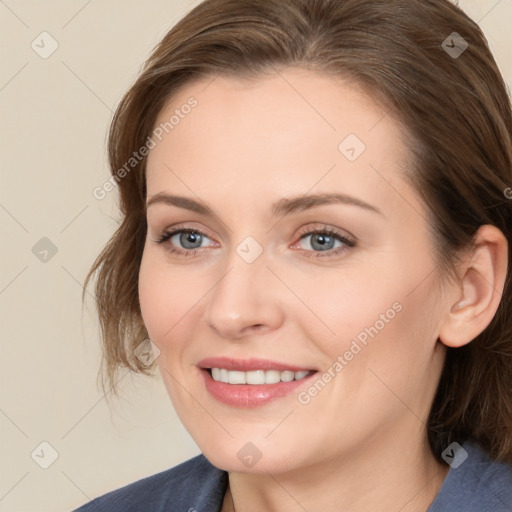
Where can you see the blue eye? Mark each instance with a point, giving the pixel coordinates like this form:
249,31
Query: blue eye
324,242
321,241
188,239
184,241
314,243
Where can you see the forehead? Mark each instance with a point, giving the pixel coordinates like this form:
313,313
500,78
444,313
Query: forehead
285,131
290,98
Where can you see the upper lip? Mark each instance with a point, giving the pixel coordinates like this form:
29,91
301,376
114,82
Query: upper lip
246,365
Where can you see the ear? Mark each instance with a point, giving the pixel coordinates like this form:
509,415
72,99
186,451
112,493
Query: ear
480,289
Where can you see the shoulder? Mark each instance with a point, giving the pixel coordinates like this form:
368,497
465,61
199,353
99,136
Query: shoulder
194,484
478,484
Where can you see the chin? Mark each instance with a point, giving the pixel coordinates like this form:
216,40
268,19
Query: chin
240,461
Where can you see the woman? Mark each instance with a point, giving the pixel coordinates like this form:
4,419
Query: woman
316,221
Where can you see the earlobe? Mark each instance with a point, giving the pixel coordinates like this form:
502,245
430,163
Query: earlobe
479,291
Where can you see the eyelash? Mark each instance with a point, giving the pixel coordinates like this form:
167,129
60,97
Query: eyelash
348,242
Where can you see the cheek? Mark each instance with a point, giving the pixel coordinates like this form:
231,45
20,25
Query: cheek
388,350
385,312
346,304
151,296
164,297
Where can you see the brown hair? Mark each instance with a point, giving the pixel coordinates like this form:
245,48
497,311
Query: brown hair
456,113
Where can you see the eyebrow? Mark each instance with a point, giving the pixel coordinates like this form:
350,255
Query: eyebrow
283,207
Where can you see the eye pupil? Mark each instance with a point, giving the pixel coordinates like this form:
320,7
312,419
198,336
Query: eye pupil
322,242
188,239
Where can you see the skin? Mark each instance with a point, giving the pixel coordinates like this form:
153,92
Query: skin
360,443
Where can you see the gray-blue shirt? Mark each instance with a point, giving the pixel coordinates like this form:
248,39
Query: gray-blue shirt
477,485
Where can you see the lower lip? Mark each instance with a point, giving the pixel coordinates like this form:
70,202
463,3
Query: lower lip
249,395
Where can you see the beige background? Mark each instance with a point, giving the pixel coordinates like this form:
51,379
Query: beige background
55,114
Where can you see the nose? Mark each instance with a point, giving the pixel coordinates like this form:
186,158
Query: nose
246,300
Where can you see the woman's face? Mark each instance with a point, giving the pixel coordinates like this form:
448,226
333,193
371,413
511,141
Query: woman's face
302,250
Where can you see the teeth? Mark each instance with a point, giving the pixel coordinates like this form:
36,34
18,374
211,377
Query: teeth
236,377
256,377
272,377
288,376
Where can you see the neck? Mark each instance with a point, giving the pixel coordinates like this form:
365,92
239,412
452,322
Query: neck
380,475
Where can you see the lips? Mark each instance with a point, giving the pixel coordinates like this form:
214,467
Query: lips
247,365
249,395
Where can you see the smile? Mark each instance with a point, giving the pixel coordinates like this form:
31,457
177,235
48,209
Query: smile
256,377
250,383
